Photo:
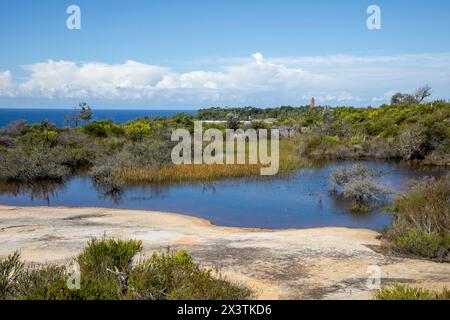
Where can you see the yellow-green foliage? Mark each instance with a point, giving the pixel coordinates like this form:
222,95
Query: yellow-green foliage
103,129
406,132
421,223
109,272
404,292
138,130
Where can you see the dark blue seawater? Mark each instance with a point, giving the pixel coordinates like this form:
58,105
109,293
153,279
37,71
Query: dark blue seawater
302,200
56,116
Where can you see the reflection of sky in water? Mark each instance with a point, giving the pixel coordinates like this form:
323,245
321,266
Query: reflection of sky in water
299,201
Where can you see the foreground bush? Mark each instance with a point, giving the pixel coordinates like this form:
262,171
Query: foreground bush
421,223
109,272
11,269
403,292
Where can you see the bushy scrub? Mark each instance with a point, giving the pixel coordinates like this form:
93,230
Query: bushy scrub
175,276
421,223
28,165
110,171
11,270
44,283
358,184
44,152
138,130
100,261
110,271
404,292
406,131
103,129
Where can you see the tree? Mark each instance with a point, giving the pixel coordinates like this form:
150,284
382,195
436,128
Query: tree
422,93
412,99
82,113
232,121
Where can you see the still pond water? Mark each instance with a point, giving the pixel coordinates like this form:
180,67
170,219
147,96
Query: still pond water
301,200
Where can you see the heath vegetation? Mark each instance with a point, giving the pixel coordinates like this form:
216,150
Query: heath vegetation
113,269
404,292
421,225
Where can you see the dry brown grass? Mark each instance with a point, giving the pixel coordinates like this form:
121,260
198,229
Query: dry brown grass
289,161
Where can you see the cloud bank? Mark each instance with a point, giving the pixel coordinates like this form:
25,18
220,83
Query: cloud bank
259,81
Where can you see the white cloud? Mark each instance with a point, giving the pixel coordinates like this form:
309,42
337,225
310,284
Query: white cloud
259,80
66,79
6,84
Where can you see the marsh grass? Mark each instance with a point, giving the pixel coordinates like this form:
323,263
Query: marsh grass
288,162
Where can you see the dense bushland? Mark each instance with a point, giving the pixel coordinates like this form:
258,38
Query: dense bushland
113,154
407,132
139,151
407,129
115,270
421,223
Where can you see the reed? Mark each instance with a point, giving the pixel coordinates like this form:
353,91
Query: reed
289,161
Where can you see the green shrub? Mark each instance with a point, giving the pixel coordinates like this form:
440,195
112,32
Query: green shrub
108,273
332,139
103,254
431,245
421,223
357,139
103,129
45,283
403,292
175,276
11,270
138,130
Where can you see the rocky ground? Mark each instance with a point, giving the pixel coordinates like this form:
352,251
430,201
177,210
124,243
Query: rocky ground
322,263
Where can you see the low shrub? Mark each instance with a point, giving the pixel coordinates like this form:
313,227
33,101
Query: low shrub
425,244
421,223
103,129
11,270
357,183
109,272
403,292
44,283
175,276
138,130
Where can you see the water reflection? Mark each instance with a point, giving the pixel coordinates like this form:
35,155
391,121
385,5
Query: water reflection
44,191
300,200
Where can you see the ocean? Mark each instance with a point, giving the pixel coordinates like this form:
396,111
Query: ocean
56,116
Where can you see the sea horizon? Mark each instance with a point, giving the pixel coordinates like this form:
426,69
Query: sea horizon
57,115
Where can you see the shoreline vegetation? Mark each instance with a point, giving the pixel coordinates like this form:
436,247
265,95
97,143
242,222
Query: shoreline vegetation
115,155
139,151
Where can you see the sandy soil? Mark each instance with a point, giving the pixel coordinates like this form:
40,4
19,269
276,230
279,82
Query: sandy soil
322,263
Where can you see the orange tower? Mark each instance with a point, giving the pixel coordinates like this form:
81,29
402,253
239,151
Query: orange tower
312,103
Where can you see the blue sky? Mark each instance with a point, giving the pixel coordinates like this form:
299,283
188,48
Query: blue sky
190,54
